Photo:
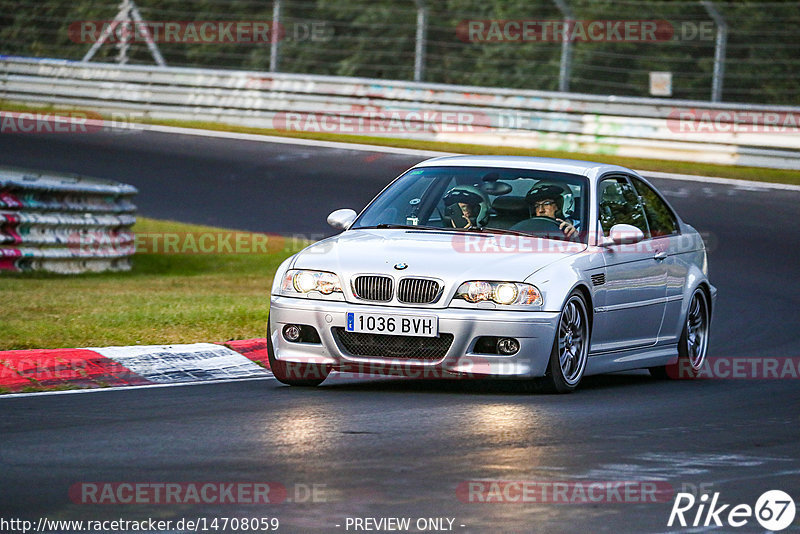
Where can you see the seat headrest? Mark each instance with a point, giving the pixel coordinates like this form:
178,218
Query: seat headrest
510,204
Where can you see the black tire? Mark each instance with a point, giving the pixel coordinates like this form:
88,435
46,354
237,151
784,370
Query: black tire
295,374
570,347
693,343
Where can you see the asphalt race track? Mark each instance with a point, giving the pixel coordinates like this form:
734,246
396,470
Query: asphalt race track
402,448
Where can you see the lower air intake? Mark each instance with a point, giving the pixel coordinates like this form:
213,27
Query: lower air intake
403,347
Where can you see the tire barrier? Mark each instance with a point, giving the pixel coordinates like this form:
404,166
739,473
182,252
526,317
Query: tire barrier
64,223
730,134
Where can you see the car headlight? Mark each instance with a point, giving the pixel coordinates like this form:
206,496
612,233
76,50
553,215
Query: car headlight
303,281
506,293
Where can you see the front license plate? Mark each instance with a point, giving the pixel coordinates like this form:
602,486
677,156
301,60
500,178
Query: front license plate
401,325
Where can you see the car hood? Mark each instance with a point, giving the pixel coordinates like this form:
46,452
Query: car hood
453,257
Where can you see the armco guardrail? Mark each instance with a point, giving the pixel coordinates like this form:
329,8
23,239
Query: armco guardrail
64,223
634,127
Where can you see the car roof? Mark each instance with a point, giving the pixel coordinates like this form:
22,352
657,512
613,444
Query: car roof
589,169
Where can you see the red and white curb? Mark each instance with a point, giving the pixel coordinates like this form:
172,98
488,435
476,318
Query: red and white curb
27,370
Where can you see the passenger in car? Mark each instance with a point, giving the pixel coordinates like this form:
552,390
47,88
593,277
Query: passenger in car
466,207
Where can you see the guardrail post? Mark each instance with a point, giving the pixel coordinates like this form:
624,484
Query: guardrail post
719,49
419,49
566,47
274,36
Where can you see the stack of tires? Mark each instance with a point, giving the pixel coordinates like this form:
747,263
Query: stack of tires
64,223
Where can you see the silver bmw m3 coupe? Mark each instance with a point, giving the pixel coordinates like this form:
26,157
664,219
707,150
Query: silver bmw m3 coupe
539,269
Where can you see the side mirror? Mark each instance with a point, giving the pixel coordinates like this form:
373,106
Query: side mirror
342,219
623,234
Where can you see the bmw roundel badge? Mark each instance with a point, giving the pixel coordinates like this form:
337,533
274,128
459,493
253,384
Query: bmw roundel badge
400,266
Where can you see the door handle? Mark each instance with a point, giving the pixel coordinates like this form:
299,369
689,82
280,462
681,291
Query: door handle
660,255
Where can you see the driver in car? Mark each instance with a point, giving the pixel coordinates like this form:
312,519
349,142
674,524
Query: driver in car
547,200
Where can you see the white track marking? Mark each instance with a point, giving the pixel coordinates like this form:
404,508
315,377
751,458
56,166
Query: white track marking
268,376
741,184
164,364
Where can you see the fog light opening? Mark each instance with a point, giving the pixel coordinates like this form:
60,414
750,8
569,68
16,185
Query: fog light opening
292,332
507,346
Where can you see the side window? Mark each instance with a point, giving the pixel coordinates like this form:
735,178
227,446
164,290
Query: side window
619,204
659,216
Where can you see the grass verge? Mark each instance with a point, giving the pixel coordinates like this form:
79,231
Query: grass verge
759,174
166,298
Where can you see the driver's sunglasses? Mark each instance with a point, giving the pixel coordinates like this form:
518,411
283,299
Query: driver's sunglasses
543,204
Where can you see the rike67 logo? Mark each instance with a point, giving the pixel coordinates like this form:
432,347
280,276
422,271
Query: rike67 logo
774,511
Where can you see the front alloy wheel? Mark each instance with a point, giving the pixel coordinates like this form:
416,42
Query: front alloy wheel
570,347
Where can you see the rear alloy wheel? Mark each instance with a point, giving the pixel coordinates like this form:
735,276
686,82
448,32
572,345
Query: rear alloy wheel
693,344
295,374
570,347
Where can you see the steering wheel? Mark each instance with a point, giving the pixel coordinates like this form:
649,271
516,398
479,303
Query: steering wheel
539,225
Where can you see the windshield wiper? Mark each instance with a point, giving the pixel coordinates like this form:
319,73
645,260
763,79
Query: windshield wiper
553,236
448,229
383,226
475,229
486,230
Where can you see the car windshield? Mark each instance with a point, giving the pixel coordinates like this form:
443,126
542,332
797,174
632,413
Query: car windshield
540,203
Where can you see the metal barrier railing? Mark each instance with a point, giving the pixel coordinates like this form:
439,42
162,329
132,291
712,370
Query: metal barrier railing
766,136
720,50
64,223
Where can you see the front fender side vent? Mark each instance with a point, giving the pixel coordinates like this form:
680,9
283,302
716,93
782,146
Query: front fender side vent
598,279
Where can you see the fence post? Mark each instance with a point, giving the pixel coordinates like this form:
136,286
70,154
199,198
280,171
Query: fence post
149,39
127,13
275,36
719,49
566,47
419,49
124,43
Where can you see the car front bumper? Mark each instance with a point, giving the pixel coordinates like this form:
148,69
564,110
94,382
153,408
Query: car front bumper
535,332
